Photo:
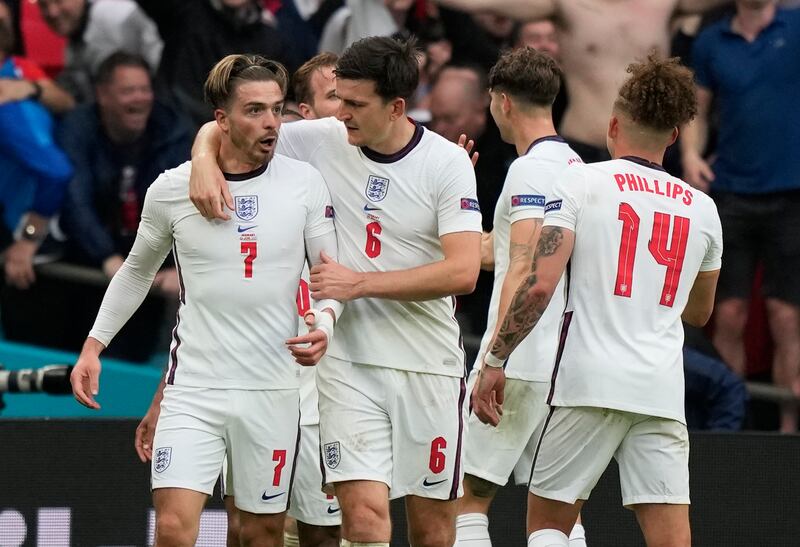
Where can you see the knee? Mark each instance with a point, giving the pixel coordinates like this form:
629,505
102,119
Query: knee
233,529
731,316
171,531
784,319
364,520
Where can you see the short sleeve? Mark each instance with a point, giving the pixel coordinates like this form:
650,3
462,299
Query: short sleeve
564,206
701,59
713,258
301,139
29,70
319,219
524,199
457,208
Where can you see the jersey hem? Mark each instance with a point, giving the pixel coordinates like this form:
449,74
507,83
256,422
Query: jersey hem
355,361
642,411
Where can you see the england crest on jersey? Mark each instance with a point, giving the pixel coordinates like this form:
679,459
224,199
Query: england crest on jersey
332,454
376,188
246,207
162,458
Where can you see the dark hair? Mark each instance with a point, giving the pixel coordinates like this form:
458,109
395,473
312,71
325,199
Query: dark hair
390,63
659,94
105,72
301,80
527,75
232,70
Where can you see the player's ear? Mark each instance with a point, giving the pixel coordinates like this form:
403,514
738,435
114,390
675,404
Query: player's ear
506,103
398,109
673,136
613,127
222,119
305,111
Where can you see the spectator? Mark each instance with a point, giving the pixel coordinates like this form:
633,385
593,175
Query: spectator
598,40
94,29
459,103
542,35
33,170
716,399
199,33
749,64
119,145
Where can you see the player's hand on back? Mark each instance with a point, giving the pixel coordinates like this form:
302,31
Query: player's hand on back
329,279
146,431
208,188
85,376
488,395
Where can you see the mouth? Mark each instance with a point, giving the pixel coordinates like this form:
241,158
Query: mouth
268,142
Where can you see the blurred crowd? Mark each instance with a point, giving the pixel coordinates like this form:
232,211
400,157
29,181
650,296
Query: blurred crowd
97,97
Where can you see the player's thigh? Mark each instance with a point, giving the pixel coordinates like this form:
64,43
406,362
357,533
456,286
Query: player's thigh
573,451
428,417
189,444
781,250
494,453
742,230
178,512
355,430
654,462
309,504
262,438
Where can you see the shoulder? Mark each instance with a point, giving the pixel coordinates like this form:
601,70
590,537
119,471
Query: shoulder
297,168
443,153
322,126
173,181
711,34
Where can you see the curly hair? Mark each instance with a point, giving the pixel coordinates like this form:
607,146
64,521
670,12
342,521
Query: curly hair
659,94
528,75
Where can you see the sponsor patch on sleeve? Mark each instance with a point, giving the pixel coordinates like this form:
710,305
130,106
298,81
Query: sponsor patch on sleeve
554,205
329,211
527,200
469,204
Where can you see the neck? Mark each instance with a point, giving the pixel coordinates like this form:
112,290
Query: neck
751,20
399,135
527,129
232,160
654,156
119,135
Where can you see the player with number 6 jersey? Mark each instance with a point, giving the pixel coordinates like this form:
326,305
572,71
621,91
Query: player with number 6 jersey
644,251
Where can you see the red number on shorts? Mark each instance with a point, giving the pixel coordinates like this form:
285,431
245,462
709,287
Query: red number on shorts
280,457
303,298
667,251
250,250
373,248
436,463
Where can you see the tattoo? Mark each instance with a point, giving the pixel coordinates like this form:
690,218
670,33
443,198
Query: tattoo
527,306
520,252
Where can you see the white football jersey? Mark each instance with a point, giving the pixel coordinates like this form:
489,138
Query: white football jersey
390,213
641,237
238,278
529,181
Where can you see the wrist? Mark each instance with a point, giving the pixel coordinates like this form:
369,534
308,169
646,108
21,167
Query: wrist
36,90
362,288
93,346
494,362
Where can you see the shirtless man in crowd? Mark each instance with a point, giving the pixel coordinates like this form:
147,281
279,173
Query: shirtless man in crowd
598,39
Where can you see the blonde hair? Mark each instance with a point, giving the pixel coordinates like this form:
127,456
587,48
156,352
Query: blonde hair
233,70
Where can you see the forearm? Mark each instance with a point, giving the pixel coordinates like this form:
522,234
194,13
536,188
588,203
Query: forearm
515,277
315,246
694,137
526,308
54,98
435,280
517,9
207,142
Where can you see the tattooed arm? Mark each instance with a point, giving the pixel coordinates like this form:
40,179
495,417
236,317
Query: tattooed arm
527,306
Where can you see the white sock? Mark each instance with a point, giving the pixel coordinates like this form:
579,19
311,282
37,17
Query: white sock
290,540
548,538
577,538
346,543
472,530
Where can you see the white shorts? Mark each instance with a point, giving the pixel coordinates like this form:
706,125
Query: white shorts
578,443
402,428
257,429
494,453
310,505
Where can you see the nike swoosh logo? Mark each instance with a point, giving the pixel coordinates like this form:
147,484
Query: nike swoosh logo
333,510
434,483
246,228
368,208
265,497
